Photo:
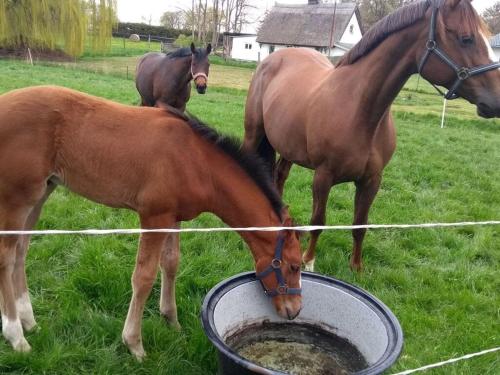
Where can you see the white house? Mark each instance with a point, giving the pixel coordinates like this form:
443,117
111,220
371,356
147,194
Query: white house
242,46
495,44
331,29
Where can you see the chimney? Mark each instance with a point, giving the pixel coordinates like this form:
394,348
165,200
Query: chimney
313,2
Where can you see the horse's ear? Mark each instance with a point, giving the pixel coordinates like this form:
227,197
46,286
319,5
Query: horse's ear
209,48
193,48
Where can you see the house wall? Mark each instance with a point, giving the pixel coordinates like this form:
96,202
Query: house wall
352,37
245,48
497,52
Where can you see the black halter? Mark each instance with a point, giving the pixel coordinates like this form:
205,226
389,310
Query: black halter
462,72
275,267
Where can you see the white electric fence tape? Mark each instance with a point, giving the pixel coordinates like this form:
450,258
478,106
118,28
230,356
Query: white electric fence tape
306,228
439,364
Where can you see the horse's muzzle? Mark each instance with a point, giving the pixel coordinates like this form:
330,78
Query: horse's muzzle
201,89
488,107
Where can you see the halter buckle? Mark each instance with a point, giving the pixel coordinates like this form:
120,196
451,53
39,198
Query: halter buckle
282,289
463,74
276,263
431,45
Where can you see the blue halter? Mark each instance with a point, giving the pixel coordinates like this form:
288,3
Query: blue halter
275,267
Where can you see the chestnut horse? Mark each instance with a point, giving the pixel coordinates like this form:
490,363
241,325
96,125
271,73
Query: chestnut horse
166,79
337,120
171,171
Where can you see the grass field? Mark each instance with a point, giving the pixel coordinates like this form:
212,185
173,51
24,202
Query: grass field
442,284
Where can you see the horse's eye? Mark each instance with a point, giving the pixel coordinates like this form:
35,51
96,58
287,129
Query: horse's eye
295,268
466,40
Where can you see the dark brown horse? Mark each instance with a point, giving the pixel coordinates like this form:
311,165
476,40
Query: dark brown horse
337,120
171,172
166,79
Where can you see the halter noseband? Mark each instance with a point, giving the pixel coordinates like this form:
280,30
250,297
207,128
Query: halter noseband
462,72
199,74
275,267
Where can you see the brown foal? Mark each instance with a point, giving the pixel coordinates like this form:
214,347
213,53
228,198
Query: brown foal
164,166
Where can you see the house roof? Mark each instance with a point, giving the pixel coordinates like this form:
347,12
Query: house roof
495,41
306,25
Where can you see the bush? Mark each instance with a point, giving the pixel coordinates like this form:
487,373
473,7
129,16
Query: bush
124,29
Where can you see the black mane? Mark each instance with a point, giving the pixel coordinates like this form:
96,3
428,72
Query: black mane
181,52
184,52
251,163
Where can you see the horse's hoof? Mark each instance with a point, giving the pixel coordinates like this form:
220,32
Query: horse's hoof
30,326
138,352
22,346
135,347
309,266
356,267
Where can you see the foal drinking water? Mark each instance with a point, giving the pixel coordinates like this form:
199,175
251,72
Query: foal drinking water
166,79
337,120
170,171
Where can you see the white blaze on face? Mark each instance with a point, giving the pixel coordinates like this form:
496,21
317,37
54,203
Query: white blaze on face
491,53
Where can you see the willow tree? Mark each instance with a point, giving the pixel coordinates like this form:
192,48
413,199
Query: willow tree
51,24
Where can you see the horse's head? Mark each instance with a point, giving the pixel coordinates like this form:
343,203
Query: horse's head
279,273
458,55
200,66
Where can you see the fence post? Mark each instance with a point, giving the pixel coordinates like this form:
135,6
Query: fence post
149,42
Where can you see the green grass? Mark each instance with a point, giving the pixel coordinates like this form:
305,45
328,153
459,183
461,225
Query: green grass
442,284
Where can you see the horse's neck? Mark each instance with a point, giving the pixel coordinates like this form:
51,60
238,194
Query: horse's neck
385,71
180,69
239,202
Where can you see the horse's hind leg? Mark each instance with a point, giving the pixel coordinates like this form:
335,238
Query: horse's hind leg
12,330
281,173
322,184
366,190
255,139
23,302
169,263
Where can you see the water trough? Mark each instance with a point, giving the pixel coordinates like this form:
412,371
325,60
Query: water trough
331,305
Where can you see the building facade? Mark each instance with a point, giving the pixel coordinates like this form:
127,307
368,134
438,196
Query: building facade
331,29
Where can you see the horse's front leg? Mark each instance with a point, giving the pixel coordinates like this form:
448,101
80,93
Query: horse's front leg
322,184
366,190
169,263
144,275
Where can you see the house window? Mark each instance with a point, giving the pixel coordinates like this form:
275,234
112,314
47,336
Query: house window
351,29
248,45
271,49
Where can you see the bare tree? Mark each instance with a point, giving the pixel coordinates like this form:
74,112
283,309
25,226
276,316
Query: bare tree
492,17
215,24
173,20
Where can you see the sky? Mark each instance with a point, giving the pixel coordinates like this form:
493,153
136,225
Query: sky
144,10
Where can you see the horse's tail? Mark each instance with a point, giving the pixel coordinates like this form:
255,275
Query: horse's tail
268,154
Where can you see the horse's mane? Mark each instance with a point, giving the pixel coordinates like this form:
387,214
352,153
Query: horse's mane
182,52
251,163
400,19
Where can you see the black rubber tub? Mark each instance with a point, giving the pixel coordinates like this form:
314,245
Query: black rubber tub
352,313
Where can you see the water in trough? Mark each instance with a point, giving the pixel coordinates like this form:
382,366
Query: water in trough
297,349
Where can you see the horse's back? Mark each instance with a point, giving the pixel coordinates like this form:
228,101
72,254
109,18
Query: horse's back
105,151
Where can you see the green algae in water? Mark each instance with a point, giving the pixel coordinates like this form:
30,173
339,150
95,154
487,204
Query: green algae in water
297,349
